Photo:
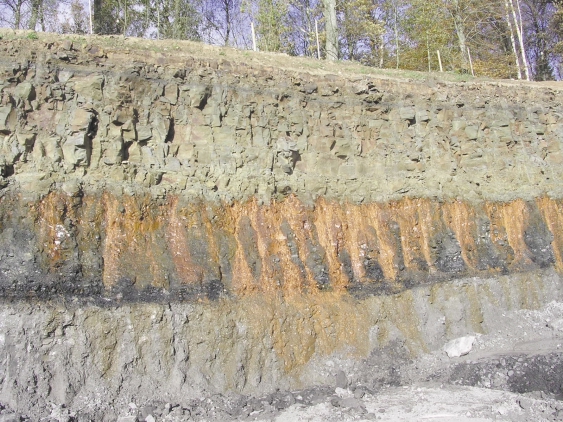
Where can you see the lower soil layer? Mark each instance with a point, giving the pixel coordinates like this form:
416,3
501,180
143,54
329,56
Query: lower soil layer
96,359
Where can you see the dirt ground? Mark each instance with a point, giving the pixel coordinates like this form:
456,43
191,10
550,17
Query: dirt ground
512,374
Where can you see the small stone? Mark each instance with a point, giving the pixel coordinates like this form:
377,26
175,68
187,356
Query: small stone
556,325
359,393
66,45
341,380
147,411
352,403
335,401
9,417
25,91
150,418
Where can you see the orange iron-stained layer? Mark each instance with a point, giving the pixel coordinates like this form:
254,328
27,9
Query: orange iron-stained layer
290,248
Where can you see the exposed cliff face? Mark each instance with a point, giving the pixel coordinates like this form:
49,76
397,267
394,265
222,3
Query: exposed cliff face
218,225
78,117
179,171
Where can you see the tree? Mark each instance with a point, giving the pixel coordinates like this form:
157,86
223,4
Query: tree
460,11
35,10
520,32
331,29
179,19
272,28
78,24
13,12
224,22
557,29
427,29
512,40
541,36
301,20
360,30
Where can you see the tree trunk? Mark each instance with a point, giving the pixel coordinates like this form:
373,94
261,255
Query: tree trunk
42,18
177,21
512,40
381,51
124,17
35,8
396,31
521,39
18,14
330,28
428,53
460,31
98,18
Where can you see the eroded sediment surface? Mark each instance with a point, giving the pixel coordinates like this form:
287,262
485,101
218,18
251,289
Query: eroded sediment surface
204,220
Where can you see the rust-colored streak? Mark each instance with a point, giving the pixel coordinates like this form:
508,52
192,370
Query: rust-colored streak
302,227
243,280
293,278
356,236
187,270
508,223
329,224
114,242
552,213
515,220
131,247
427,230
287,248
380,218
460,219
53,232
415,221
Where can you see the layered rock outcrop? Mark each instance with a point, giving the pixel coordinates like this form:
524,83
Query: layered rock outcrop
212,184
171,171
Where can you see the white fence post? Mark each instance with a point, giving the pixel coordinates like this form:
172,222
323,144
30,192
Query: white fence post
253,36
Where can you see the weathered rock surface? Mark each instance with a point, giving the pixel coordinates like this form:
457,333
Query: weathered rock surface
205,128
177,224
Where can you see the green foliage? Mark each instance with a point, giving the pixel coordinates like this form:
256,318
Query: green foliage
496,66
178,19
428,29
32,36
173,19
271,26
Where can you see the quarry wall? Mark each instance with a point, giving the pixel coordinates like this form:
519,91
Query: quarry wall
175,170
227,220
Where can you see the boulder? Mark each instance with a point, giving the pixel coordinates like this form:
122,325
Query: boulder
459,347
90,87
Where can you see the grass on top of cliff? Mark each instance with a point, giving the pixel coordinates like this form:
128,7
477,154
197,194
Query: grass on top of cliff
178,49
